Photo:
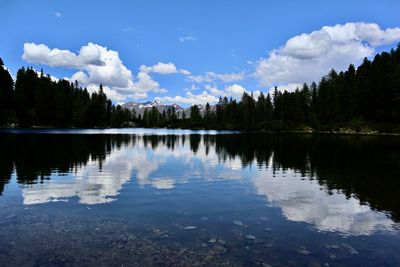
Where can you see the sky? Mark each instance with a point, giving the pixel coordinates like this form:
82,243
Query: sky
193,52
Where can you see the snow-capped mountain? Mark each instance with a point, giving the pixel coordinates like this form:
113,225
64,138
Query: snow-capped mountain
141,107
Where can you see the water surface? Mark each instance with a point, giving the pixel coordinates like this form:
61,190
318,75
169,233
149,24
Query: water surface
161,197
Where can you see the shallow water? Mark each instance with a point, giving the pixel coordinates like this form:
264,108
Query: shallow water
161,197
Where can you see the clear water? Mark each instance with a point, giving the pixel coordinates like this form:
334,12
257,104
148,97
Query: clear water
169,197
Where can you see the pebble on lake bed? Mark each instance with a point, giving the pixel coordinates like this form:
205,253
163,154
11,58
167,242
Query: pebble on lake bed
217,249
268,245
303,251
238,223
221,241
352,250
212,240
332,246
250,237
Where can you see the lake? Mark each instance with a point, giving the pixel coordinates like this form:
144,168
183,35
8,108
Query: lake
177,197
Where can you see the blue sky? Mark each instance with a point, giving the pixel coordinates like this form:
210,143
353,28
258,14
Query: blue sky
193,51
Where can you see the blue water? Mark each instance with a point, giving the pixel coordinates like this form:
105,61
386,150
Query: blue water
177,197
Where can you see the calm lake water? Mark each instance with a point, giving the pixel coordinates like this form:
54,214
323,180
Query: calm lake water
171,197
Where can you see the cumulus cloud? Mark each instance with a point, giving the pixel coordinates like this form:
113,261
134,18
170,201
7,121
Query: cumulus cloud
96,65
235,90
146,83
190,98
40,53
117,96
164,68
211,76
58,14
309,56
291,87
210,95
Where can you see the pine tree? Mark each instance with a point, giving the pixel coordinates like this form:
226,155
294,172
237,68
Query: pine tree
195,116
6,95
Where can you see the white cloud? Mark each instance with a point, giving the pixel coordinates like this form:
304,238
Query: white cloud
145,83
40,53
211,95
185,72
186,38
291,87
235,90
212,89
211,76
190,98
58,14
163,68
191,88
96,65
309,56
117,96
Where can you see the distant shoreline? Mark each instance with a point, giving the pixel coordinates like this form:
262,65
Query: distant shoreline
344,132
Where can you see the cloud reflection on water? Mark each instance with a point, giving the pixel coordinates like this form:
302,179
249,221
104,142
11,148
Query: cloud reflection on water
300,199
305,200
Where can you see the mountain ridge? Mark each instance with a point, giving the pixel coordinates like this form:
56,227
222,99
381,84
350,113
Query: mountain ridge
140,107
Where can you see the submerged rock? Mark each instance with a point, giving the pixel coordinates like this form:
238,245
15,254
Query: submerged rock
238,223
268,245
352,250
157,233
221,241
212,240
250,237
303,251
332,246
314,264
217,249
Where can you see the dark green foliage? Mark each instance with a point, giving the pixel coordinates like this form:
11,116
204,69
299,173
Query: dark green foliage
6,95
119,116
36,100
195,117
